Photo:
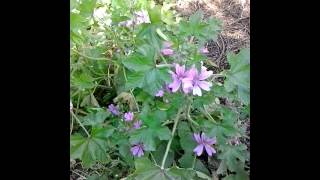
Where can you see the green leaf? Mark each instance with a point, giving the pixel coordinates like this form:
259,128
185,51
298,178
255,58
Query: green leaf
95,118
90,150
146,136
202,175
186,140
196,18
230,155
87,6
238,77
148,33
96,177
153,81
159,153
187,143
163,133
155,14
82,81
138,63
180,173
145,170
134,79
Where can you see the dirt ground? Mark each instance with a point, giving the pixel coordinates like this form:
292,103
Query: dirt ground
235,17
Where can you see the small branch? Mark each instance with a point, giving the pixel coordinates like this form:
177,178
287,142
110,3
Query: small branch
163,65
194,161
155,162
176,120
80,123
208,115
134,99
93,58
71,128
163,59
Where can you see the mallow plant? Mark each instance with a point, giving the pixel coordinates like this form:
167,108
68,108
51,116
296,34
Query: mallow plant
145,101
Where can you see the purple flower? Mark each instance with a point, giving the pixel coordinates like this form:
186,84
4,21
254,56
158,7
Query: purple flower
137,150
204,142
167,51
204,50
160,93
177,77
113,109
137,124
195,81
128,116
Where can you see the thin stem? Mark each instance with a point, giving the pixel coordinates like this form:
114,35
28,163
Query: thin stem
134,99
163,59
208,115
80,123
124,74
93,58
194,161
163,65
189,116
155,162
71,128
176,120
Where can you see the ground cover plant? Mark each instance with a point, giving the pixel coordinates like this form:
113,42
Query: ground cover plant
145,102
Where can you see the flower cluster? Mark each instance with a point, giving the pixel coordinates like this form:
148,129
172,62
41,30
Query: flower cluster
191,80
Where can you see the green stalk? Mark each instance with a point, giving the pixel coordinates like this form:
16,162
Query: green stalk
85,130
176,120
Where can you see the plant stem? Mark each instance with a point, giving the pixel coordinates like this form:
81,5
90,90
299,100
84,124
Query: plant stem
194,161
188,114
176,120
208,115
164,65
163,59
71,128
80,124
93,58
153,158
134,99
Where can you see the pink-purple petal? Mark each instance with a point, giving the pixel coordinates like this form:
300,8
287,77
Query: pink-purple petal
210,150
211,141
175,85
197,138
167,52
198,150
205,85
204,73
197,91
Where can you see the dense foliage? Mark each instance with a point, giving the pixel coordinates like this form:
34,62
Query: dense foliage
144,102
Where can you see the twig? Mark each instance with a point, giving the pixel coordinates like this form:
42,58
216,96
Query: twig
164,65
134,99
93,58
194,161
71,128
176,120
80,123
79,175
